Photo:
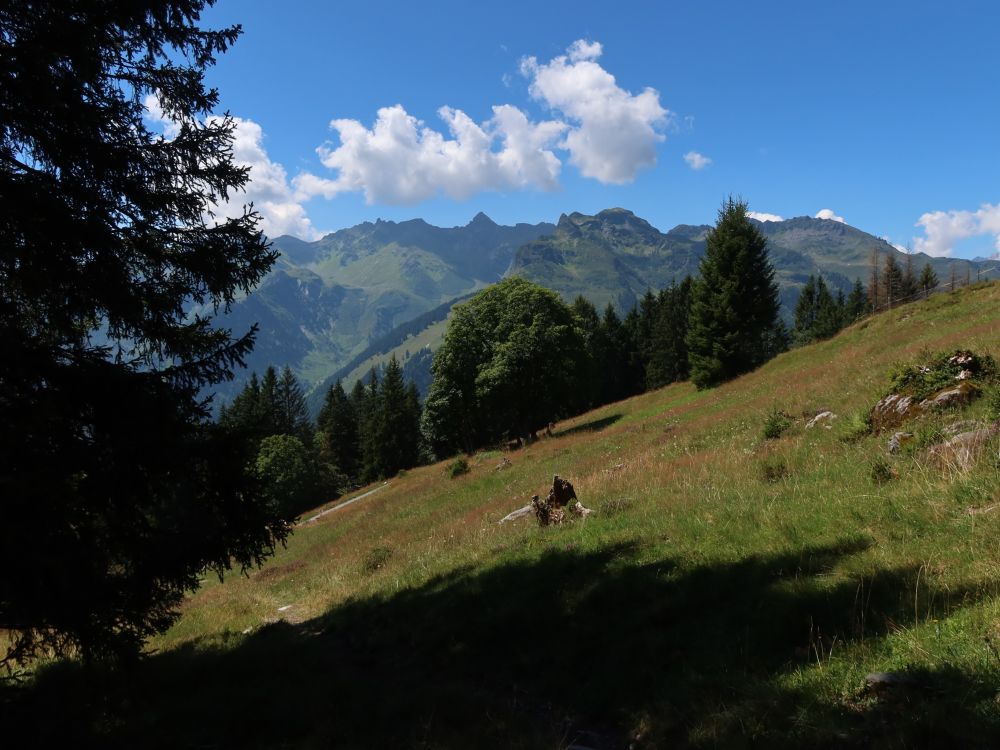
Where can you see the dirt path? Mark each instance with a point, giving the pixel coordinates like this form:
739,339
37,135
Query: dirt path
344,504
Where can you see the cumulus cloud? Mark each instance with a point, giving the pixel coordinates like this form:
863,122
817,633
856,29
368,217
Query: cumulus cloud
613,132
942,229
764,217
608,133
402,161
268,188
696,161
827,213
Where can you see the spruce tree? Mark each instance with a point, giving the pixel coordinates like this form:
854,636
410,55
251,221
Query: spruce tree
734,308
928,279
805,312
371,468
857,304
669,356
292,415
594,342
338,423
612,357
118,493
395,433
268,405
891,281
828,316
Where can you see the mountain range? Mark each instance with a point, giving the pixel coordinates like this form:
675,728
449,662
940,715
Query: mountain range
335,307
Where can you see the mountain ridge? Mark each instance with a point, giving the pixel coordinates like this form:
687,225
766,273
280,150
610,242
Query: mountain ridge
326,302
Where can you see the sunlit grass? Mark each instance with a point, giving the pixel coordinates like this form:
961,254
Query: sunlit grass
824,575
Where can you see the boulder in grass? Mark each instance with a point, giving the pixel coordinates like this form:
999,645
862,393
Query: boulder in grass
824,418
898,440
962,451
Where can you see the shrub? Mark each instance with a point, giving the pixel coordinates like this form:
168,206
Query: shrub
458,467
934,372
856,427
993,403
776,424
773,470
375,559
881,471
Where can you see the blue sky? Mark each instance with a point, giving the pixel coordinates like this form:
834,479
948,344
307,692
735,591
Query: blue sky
885,113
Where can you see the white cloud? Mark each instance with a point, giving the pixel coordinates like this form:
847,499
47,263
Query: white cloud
696,161
942,229
609,133
764,217
827,213
268,188
402,161
614,133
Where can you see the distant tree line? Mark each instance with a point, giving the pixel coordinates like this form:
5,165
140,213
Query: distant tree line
516,357
368,435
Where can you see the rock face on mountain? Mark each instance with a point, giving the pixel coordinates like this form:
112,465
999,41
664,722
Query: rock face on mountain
615,256
611,257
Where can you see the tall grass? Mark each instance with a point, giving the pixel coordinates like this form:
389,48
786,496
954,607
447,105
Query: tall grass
731,589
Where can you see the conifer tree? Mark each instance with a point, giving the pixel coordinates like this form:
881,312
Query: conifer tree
928,279
857,303
395,427
805,312
292,415
633,358
267,404
910,286
243,416
734,309
669,356
594,342
338,423
368,429
892,281
117,493
828,316
612,357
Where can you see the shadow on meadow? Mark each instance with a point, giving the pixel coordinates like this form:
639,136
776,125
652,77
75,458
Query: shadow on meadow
594,425
591,648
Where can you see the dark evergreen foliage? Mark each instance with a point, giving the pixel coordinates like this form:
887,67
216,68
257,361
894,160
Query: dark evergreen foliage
928,279
108,239
891,282
339,438
817,314
668,355
734,303
856,306
393,427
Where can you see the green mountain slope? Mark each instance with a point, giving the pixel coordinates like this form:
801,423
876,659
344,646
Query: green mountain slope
326,301
615,256
729,591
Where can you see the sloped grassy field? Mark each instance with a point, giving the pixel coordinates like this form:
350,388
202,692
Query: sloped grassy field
730,590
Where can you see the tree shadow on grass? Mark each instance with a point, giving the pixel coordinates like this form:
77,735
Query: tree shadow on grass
593,648
594,425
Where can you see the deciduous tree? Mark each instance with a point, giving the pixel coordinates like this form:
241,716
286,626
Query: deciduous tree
511,361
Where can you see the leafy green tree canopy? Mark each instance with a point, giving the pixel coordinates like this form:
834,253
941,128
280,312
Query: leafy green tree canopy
116,492
513,359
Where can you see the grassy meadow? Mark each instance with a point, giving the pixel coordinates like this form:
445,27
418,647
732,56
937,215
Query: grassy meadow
729,591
